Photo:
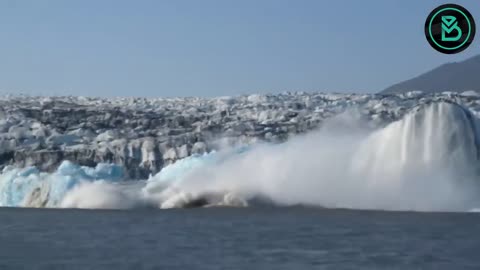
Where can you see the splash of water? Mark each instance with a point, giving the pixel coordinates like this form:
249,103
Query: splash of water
427,162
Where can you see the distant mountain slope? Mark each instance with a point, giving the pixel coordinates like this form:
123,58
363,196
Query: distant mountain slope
461,76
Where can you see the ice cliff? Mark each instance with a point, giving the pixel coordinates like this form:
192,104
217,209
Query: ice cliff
144,135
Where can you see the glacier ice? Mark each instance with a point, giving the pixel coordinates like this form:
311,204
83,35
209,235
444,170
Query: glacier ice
31,188
146,134
425,161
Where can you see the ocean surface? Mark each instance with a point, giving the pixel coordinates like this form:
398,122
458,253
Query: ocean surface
237,238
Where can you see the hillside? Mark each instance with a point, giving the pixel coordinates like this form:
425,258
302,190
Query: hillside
459,77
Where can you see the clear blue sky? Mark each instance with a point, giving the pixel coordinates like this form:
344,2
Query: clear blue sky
214,47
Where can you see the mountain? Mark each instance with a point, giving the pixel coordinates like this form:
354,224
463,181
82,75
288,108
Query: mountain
458,77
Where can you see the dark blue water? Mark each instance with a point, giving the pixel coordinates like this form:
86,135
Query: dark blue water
262,238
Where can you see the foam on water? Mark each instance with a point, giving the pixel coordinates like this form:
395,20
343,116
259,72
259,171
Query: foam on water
427,161
100,195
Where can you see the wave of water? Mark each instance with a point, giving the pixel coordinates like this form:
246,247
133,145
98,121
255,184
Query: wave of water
427,161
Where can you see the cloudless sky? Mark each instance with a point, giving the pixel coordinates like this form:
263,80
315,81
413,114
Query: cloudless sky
215,47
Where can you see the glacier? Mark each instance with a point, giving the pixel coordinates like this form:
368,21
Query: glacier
144,135
427,160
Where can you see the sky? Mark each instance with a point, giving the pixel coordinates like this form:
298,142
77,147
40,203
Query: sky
166,48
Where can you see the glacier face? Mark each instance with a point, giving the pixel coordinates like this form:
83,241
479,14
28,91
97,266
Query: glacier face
145,135
426,160
29,187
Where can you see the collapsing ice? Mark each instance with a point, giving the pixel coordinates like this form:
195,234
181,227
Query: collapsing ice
427,161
